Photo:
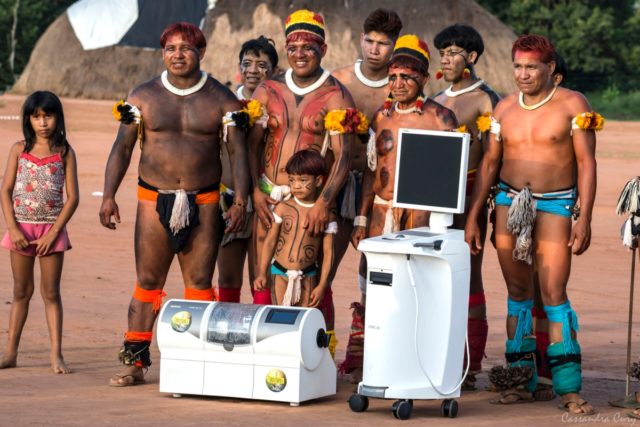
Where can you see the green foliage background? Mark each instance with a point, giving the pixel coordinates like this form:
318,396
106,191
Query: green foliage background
34,16
599,39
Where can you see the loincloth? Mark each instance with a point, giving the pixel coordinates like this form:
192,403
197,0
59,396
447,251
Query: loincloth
178,209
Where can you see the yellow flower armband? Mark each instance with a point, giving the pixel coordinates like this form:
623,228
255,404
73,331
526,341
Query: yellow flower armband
483,122
462,129
589,120
255,111
127,114
349,120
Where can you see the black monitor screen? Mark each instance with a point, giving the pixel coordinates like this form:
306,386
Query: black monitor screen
431,170
282,316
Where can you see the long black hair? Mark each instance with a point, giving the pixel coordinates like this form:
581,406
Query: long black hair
50,104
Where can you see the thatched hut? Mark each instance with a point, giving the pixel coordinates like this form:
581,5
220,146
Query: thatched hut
59,63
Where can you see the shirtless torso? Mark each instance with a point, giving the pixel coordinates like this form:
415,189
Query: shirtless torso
182,118
537,150
434,117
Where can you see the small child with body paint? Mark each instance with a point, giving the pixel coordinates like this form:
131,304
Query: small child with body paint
290,254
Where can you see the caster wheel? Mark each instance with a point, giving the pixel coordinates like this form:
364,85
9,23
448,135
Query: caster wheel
402,409
358,403
449,408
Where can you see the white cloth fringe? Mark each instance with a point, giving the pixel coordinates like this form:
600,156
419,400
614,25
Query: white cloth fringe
372,156
390,224
520,221
180,212
294,287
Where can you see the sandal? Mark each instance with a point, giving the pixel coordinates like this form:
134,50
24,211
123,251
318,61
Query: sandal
126,380
544,393
521,396
579,404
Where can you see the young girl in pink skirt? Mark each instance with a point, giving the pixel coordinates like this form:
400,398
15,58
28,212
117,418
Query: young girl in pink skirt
36,214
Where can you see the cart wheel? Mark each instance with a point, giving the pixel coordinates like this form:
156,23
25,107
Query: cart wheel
449,408
402,409
358,402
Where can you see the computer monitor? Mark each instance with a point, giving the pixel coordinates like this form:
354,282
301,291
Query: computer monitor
431,170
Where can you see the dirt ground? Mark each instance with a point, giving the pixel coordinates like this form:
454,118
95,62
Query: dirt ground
98,280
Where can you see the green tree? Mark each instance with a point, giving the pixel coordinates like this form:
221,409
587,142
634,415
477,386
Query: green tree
22,22
599,39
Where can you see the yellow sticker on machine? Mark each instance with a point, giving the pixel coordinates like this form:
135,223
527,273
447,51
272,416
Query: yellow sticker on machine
276,380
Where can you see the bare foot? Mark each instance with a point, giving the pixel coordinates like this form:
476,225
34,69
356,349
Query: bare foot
130,375
59,367
575,405
9,361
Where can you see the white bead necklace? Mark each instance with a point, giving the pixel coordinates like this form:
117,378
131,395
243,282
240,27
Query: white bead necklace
302,91
306,205
453,93
240,93
183,92
539,104
364,80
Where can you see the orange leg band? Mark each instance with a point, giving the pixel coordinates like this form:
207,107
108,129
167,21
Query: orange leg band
200,294
153,296
138,336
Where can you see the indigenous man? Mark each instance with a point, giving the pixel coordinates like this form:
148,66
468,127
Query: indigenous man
406,107
307,108
543,142
367,81
180,117
472,101
258,60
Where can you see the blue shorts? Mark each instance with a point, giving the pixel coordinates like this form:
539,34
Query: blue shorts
557,203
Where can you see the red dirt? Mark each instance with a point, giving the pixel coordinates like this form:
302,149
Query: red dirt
98,279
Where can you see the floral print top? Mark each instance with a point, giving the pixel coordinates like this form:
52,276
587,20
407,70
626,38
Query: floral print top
37,194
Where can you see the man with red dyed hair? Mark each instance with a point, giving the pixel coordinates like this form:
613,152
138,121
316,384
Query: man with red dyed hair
178,118
307,108
543,143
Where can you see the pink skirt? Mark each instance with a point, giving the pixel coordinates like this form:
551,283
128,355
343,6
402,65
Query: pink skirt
34,232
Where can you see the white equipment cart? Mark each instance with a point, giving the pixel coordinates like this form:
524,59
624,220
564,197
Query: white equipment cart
418,283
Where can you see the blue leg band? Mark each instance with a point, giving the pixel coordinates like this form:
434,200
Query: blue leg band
521,310
564,314
566,368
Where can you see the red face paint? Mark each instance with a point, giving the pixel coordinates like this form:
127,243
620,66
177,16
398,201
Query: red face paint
532,55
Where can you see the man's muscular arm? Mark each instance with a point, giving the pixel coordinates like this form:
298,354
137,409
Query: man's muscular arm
255,145
584,147
117,165
486,176
318,217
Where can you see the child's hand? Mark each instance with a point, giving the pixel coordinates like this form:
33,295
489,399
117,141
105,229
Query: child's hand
43,244
17,238
317,295
260,283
